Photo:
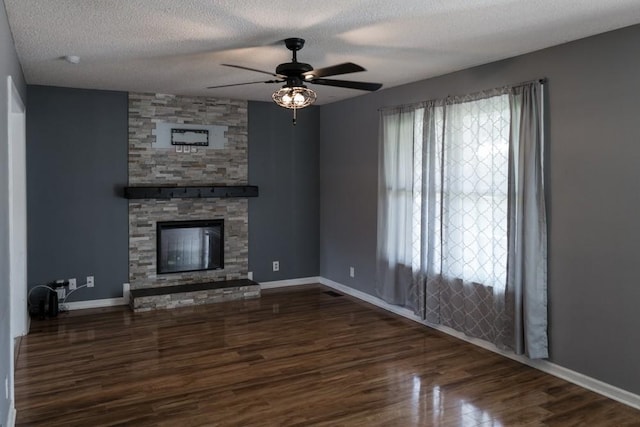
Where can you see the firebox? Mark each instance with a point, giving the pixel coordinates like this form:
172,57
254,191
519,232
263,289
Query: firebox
190,246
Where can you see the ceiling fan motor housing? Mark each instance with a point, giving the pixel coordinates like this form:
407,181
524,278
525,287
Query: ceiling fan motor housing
293,69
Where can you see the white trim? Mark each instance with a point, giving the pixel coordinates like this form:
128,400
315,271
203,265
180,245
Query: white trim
16,348
600,387
11,417
111,302
370,299
597,386
126,293
290,282
17,197
15,99
94,303
17,315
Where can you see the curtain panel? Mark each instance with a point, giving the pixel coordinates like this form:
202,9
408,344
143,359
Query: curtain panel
395,205
461,217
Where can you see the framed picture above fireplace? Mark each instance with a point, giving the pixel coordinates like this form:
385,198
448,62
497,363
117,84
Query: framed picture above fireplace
189,246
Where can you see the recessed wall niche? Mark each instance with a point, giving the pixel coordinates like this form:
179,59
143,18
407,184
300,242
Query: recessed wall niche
150,165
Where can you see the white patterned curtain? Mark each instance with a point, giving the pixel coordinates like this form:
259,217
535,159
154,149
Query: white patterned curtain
468,260
399,129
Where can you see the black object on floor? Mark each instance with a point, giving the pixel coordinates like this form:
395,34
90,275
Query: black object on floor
333,293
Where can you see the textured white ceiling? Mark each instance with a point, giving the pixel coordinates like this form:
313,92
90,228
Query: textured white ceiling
177,46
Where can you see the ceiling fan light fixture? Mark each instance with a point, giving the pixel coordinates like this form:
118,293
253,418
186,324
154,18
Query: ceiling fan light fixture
294,97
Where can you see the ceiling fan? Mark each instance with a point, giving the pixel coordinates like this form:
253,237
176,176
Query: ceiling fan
294,94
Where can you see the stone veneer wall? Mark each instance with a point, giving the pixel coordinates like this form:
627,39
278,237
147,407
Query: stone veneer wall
209,166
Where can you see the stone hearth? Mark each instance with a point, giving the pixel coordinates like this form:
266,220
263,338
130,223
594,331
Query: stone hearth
220,164
194,294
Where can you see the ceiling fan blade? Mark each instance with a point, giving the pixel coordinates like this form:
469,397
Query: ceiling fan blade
250,69
242,84
334,70
348,84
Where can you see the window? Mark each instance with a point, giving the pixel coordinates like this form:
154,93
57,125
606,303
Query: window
461,219
467,165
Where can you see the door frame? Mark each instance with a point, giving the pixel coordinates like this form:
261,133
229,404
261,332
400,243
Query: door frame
17,198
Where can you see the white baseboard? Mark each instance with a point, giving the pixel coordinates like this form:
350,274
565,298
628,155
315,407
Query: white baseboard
126,293
289,282
370,299
600,387
110,302
99,303
95,303
597,386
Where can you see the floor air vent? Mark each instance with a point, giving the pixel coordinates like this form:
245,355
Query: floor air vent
333,293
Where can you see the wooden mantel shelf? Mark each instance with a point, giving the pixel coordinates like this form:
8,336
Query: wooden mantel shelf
190,192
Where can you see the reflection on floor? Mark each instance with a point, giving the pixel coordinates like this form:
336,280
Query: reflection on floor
297,356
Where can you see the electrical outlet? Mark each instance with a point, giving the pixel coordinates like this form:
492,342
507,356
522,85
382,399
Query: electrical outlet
352,272
276,265
250,275
90,282
72,284
62,292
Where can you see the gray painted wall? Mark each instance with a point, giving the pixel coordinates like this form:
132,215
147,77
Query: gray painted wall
77,223
593,152
77,142
9,66
284,219
593,181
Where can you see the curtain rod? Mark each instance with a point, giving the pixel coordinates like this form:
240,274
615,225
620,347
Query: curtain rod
542,81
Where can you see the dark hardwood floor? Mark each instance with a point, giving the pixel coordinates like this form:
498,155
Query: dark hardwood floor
296,357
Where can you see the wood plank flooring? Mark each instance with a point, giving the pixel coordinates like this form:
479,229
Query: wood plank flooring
296,357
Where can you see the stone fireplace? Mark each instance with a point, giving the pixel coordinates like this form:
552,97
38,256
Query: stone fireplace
222,164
